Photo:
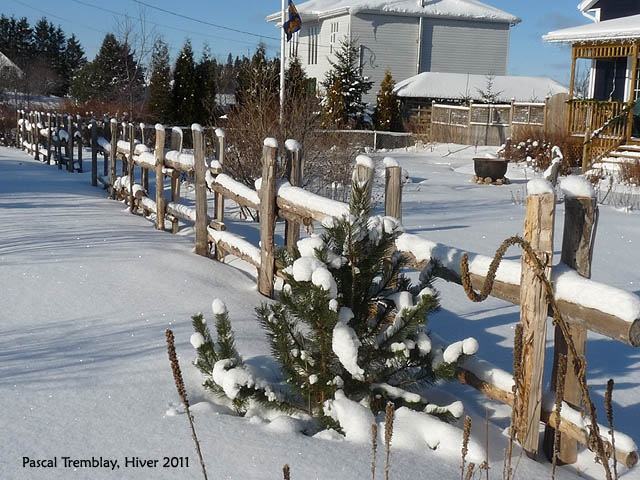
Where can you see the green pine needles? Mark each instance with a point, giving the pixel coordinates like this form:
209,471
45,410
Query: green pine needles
347,320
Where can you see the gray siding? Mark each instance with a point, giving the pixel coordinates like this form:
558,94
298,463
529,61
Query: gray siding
387,42
458,46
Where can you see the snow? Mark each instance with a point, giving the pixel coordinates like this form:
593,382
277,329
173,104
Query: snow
310,201
577,186
270,142
218,307
539,186
220,133
292,145
147,159
186,161
304,267
345,344
456,85
234,186
355,419
365,161
159,127
321,277
104,144
125,146
196,127
197,340
389,162
85,305
466,347
457,9
237,242
624,28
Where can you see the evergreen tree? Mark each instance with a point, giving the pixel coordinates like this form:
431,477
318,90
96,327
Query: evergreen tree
160,82
258,78
352,84
206,88
74,59
183,94
334,108
387,113
347,320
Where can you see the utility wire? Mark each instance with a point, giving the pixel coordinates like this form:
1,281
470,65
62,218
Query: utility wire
113,12
49,14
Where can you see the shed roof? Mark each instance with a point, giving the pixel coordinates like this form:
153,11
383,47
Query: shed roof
461,85
466,9
624,28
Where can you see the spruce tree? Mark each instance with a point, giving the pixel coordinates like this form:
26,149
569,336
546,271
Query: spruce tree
74,59
183,94
353,85
347,320
205,73
160,82
335,113
387,113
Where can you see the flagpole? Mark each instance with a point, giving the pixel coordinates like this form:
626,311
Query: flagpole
282,59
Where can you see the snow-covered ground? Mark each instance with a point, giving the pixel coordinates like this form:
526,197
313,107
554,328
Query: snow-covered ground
87,291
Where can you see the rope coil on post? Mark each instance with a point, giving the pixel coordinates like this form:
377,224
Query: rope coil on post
579,362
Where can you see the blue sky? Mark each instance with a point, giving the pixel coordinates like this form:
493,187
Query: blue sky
528,55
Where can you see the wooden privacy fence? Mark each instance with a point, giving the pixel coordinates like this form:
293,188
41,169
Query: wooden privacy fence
486,124
515,281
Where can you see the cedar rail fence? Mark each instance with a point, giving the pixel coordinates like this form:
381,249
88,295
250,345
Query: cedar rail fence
286,200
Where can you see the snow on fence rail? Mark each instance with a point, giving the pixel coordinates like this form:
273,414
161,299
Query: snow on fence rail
583,303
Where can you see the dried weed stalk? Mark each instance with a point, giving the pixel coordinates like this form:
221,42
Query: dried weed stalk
562,375
388,433
374,446
286,472
177,378
465,444
609,408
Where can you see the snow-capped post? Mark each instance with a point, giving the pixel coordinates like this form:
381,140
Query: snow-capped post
58,142
580,224
393,188
176,139
145,170
218,198
113,156
267,217
159,153
106,133
176,144
294,173
36,150
511,115
132,151
201,190
49,138
363,173
70,139
538,231
469,118
544,118
94,153
79,130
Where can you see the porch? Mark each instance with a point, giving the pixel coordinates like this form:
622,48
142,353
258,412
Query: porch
606,113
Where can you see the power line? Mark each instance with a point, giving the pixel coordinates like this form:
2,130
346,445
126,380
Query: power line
113,12
49,14
204,22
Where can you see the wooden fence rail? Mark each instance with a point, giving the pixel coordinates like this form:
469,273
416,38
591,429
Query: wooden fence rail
284,199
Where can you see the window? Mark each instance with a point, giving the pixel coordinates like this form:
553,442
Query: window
334,35
312,58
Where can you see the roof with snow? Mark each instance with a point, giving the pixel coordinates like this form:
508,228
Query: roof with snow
462,85
624,28
5,62
466,9
586,5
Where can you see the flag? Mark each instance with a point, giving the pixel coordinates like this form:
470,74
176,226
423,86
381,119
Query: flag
294,23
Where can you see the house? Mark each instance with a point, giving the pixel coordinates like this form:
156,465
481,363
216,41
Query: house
611,43
8,67
405,36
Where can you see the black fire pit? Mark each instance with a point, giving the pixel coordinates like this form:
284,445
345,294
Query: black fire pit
489,170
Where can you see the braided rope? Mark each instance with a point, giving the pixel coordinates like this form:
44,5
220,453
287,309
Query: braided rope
579,363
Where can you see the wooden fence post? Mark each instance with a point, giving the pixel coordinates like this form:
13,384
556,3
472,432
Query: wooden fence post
160,203
218,199
106,133
393,189
176,144
49,138
70,141
59,141
94,153
580,224
176,138
36,152
294,170
202,240
145,170
538,231
267,217
363,174
113,156
80,143
18,129
132,149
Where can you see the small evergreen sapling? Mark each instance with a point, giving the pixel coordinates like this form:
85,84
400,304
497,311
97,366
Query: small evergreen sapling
348,324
